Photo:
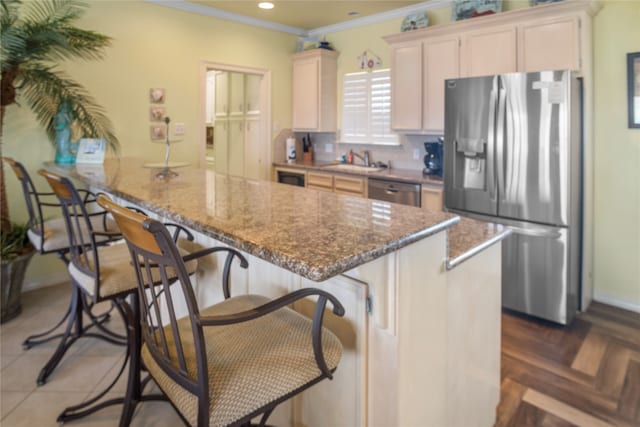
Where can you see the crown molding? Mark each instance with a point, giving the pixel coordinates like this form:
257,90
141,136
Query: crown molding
381,17
187,6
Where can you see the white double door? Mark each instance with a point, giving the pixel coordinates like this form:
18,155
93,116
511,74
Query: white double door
240,142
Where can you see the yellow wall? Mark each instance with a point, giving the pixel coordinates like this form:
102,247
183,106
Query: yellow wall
617,156
160,47
153,46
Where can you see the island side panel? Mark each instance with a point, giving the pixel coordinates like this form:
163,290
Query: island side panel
422,314
473,339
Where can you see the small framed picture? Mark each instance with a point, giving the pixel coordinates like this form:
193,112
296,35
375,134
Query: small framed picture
156,113
158,132
633,88
156,95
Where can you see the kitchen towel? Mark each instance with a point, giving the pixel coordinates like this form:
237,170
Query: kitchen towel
291,150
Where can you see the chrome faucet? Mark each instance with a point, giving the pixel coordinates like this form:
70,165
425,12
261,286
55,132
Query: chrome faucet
364,157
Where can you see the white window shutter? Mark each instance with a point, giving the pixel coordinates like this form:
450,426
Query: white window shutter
366,108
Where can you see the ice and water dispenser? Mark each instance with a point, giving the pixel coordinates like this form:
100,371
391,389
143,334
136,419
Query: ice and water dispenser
470,163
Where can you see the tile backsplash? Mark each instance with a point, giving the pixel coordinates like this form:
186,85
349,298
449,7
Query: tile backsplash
327,149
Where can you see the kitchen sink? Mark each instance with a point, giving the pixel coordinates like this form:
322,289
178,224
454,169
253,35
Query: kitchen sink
353,168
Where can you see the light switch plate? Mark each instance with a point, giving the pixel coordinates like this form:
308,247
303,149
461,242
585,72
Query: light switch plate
416,154
328,148
178,129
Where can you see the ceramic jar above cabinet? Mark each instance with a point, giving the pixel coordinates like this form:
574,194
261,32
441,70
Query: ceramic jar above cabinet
550,37
314,102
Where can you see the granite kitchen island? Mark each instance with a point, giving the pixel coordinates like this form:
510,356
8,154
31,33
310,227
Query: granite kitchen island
421,289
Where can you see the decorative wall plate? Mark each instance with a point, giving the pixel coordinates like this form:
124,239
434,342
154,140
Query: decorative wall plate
414,21
464,9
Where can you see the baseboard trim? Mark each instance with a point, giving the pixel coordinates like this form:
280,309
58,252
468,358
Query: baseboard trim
605,298
51,280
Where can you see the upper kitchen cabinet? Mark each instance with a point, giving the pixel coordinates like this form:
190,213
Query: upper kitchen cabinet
236,95
314,90
550,44
406,84
221,105
440,62
488,51
547,37
418,71
252,94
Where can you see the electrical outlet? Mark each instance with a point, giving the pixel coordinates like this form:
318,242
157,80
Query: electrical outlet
416,154
178,129
328,148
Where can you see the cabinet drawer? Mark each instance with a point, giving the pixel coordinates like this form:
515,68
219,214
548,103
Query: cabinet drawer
349,185
320,180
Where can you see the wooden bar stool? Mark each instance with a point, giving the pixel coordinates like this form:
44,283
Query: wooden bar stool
228,363
50,236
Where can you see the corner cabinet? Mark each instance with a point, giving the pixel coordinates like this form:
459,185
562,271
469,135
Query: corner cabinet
548,37
314,103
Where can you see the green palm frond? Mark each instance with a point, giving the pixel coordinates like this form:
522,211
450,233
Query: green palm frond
44,88
45,33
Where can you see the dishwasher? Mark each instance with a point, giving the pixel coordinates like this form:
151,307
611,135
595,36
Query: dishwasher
395,191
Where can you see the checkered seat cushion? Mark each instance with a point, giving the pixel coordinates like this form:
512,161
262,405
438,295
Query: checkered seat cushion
117,275
250,364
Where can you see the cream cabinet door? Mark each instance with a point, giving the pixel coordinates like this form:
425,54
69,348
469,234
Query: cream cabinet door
221,94
236,95
236,147
552,44
220,145
406,86
306,93
440,62
488,52
254,150
431,198
252,94
343,400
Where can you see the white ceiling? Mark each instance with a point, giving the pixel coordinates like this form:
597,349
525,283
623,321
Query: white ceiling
308,14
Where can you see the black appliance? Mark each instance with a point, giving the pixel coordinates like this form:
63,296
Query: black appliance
433,158
291,178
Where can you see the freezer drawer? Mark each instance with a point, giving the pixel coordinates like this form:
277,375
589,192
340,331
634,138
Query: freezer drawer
537,275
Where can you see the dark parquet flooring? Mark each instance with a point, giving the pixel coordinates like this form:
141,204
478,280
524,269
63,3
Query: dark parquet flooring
586,374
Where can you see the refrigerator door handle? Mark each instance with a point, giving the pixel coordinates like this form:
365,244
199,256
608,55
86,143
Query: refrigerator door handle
491,143
500,137
536,232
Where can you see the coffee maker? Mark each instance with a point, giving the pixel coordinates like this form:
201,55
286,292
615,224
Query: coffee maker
433,158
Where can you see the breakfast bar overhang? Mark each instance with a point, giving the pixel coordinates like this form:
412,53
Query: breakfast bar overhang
421,288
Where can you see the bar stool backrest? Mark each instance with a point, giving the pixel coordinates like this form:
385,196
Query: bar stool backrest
157,257
82,241
33,202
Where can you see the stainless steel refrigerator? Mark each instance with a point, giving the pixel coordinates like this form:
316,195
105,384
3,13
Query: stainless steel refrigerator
512,155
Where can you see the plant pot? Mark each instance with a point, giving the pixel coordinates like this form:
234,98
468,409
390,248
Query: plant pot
12,278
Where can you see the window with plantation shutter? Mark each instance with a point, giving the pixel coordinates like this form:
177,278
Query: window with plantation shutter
366,108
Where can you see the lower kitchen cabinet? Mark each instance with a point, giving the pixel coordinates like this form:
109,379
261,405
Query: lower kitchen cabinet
342,184
320,181
432,198
346,390
350,185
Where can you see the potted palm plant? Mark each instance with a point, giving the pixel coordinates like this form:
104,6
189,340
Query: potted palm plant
34,36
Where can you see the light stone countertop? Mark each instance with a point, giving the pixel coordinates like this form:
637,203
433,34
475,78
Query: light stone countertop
315,234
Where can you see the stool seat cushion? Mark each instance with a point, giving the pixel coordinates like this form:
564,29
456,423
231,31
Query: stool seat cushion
55,233
250,364
117,275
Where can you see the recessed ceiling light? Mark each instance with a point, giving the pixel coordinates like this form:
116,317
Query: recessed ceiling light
265,5
353,13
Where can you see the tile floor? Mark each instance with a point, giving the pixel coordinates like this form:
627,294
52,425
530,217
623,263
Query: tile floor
88,367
